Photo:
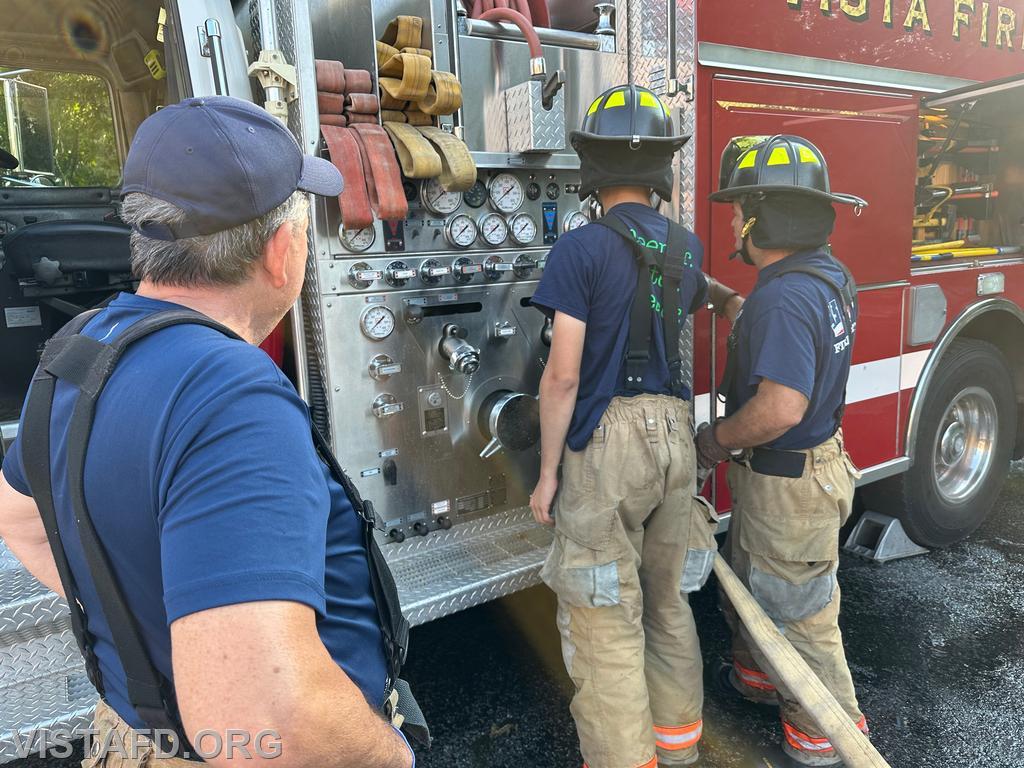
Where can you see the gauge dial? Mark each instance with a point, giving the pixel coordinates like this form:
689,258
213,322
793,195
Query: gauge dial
493,229
437,199
357,240
506,193
533,191
574,220
523,228
552,190
460,231
476,195
377,322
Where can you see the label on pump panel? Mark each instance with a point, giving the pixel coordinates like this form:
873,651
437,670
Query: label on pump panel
550,216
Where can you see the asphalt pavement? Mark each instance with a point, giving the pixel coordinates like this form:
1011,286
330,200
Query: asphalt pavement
935,642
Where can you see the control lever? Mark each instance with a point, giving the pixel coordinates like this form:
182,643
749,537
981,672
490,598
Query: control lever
546,332
460,354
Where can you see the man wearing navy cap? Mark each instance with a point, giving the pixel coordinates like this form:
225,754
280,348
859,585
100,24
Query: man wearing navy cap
238,552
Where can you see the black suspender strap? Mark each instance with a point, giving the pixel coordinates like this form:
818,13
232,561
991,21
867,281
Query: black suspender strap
87,364
669,265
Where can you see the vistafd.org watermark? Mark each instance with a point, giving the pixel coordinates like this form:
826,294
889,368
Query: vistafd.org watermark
138,744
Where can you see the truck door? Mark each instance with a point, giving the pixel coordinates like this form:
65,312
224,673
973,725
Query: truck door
869,141
208,50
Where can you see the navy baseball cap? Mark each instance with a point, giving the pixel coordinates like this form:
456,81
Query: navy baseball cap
224,161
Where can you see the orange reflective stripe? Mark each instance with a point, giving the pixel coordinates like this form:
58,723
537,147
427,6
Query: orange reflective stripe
863,724
755,678
652,763
800,740
678,737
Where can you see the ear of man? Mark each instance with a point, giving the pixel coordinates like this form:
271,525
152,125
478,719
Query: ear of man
276,256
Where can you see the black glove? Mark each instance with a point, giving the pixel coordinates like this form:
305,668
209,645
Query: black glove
709,452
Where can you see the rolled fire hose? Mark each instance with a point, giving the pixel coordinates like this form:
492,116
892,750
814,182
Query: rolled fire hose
535,10
458,171
418,158
380,168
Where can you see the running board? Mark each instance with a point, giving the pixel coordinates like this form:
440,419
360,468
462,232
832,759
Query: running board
881,538
469,564
43,685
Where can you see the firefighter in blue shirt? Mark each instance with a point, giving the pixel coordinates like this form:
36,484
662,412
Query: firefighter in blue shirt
785,387
629,537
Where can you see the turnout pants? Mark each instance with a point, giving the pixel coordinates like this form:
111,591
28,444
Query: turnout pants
783,544
115,744
630,540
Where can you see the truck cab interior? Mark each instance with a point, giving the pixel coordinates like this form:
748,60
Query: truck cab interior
76,80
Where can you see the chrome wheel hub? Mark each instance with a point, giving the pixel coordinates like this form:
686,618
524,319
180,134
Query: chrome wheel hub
964,444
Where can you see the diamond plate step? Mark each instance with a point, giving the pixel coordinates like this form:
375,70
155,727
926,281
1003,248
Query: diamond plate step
469,564
42,679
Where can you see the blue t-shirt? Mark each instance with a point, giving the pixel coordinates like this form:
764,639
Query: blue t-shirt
793,331
591,275
206,490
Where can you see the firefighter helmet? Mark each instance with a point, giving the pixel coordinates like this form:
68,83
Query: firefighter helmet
780,163
627,138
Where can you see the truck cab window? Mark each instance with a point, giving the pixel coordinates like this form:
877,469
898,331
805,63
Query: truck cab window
60,127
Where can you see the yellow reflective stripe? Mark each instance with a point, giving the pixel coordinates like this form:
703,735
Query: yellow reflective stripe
779,156
806,156
594,106
748,159
649,100
616,99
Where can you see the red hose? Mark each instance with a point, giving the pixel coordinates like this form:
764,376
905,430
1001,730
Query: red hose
515,17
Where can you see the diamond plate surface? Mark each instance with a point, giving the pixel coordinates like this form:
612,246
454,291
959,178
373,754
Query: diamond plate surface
467,565
42,677
531,128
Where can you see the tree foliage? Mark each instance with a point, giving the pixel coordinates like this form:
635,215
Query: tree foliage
81,128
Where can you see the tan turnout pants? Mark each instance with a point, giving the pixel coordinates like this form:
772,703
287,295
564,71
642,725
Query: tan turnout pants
630,540
114,744
783,544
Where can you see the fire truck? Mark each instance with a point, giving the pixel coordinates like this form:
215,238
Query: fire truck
414,341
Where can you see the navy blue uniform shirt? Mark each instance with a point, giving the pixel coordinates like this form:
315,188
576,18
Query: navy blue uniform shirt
793,330
206,490
591,275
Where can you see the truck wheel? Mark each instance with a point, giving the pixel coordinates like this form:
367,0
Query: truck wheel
962,451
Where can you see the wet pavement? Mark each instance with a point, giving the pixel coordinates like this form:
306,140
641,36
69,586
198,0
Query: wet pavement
936,645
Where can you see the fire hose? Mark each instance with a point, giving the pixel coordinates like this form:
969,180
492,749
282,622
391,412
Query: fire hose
853,746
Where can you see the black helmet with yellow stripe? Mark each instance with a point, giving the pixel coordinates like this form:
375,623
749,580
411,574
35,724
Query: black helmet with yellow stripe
627,139
756,166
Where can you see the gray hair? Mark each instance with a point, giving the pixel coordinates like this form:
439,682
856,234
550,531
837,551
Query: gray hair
223,258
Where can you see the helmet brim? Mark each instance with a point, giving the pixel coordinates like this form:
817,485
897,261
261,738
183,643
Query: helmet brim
673,142
735,193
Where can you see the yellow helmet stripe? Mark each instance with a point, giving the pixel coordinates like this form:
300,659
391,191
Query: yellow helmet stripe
594,106
615,99
748,159
779,156
807,156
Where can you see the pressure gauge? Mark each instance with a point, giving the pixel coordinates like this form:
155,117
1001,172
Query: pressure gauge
476,195
506,193
493,229
377,322
574,220
437,199
357,240
460,231
533,190
523,228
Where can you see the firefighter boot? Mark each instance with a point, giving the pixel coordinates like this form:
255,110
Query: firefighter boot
731,682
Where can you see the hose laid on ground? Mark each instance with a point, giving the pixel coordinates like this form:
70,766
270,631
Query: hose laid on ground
850,743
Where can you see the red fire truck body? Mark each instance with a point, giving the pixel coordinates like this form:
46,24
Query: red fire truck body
852,76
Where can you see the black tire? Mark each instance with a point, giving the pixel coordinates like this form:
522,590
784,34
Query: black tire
970,404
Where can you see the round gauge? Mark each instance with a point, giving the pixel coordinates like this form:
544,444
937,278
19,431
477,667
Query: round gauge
506,193
574,220
523,228
409,190
460,231
493,229
377,322
533,191
357,240
476,195
437,199
552,190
